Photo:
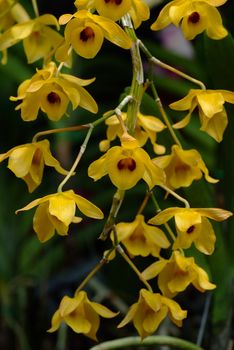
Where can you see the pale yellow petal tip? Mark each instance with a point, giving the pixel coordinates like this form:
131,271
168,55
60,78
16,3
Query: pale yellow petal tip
129,141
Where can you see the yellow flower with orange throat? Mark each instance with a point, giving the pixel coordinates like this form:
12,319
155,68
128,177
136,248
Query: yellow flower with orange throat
51,93
28,161
212,113
194,17
39,40
177,273
147,127
192,226
126,165
150,310
80,314
55,212
182,167
85,33
115,9
140,238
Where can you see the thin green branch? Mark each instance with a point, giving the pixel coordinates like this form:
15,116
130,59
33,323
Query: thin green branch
150,341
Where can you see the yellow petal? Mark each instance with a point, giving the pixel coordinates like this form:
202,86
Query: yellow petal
154,269
68,305
163,19
153,320
216,125
113,32
112,9
55,322
205,242
187,218
87,39
20,159
42,224
97,169
216,214
215,29
88,208
102,310
48,158
78,323
129,317
62,208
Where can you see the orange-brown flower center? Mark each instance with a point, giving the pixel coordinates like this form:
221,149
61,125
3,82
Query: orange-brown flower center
126,163
37,157
116,2
190,229
182,167
87,34
194,17
53,98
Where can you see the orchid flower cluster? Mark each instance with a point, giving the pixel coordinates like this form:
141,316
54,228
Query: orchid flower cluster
50,92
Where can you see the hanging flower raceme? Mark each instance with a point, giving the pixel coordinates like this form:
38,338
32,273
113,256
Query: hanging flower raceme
182,167
115,9
28,161
192,226
126,165
194,16
147,127
212,114
52,92
85,33
56,212
150,310
140,238
39,40
176,274
81,314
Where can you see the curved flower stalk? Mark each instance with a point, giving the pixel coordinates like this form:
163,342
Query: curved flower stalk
115,9
81,314
182,167
195,16
212,114
147,127
140,238
126,165
149,311
52,92
56,212
28,161
192,226
177,273
39,40
85,33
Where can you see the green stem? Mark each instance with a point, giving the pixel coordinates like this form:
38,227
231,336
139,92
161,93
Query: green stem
174,194
35,8
54,131
164,115
136,90
167,227
156,61
78,158
133,266
149,341
144,203
115,206
102,262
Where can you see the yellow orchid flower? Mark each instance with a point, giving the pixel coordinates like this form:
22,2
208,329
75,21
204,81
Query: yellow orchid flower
177,273
182,167
52,92
150,310
81,314
6,20
39,40
192,225
194,16
27,162
147,127
126,165
57,211
85,33
211,110
115,9
140,238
